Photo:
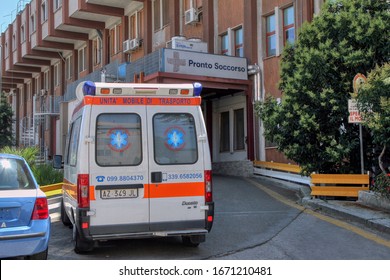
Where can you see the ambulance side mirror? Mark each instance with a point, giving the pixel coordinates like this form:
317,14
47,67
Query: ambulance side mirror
57,162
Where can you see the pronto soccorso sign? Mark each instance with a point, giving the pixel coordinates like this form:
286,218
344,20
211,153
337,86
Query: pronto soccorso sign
195,63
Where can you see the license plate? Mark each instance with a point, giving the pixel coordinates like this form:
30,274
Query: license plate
119,193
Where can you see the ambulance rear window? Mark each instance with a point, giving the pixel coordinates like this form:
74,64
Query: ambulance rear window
118,139
174,137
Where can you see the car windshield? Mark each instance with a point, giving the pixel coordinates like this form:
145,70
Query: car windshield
14,175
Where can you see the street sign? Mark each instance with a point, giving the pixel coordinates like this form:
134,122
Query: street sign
354,114
358,81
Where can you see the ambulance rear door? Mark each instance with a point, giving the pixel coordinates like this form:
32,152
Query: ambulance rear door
119,170
176,168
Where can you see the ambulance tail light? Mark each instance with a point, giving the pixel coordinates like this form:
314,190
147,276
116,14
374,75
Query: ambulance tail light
83,190
208,186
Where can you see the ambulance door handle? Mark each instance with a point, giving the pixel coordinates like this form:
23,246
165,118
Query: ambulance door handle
156,177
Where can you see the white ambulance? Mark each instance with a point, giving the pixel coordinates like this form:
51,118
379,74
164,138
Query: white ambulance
137,164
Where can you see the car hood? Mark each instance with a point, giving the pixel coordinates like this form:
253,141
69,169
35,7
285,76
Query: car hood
16,207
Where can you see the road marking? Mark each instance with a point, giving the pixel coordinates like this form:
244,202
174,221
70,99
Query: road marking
330,220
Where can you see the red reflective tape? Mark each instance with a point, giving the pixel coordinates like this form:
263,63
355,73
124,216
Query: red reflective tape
134,101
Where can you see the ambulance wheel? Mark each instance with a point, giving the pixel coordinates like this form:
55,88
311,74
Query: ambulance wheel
80,246
64,217
193,240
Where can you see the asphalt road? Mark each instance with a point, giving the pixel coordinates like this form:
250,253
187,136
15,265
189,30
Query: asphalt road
253,220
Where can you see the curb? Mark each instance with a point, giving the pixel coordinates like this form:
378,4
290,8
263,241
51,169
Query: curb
351,211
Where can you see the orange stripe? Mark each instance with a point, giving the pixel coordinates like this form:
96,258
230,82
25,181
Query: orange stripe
70,188
92,193
174,190
135,100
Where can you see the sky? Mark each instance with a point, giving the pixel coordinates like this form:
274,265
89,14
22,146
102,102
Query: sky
8,10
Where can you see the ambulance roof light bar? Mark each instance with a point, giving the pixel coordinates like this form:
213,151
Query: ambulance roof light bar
89,88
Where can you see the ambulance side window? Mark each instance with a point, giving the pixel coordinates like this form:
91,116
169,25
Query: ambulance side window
174,136
118,139
73,143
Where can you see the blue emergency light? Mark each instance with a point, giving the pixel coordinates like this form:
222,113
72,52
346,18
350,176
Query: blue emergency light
197,89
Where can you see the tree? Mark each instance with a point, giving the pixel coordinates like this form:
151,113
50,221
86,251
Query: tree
310,125
374,104
6,137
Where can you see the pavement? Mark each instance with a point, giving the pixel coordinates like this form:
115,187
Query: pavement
369,209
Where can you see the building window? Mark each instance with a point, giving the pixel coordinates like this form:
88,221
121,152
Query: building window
82,59
13,42
57,4
116,39
37,85
97,51
224,143
271,36
136,25
288,25
239,130
57,75
44,11
225,44
160,14
33,28
22,34
68,68
46,80
29,92
238,45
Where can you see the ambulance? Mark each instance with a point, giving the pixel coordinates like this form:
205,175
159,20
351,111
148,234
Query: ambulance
137,164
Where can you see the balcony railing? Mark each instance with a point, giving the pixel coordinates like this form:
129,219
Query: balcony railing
148,64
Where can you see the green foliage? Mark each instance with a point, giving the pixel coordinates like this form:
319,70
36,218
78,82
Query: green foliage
45,174
382,185
374,104
6,121
28,153
310,126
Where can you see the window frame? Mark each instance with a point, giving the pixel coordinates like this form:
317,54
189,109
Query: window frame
57,76
236,145
68,68
224,132
44,12
194,142
139,123
160,14
225,41
270,35
239,46
82,59
288,27
72,150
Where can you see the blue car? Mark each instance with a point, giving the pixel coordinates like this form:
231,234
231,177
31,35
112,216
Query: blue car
24,213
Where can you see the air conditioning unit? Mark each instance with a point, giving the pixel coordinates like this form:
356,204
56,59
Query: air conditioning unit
191,16
134,44
131,45
126,46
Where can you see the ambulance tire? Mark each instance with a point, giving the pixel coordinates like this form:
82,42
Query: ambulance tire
64,217
192,240
81,246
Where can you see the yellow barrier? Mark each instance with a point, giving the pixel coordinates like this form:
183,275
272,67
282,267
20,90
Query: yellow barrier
347,185
278,166
52,190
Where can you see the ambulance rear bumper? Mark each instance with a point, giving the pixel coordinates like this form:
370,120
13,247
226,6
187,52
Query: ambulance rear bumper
148,234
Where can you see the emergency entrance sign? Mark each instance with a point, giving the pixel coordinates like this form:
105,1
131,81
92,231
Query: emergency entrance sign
354,115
